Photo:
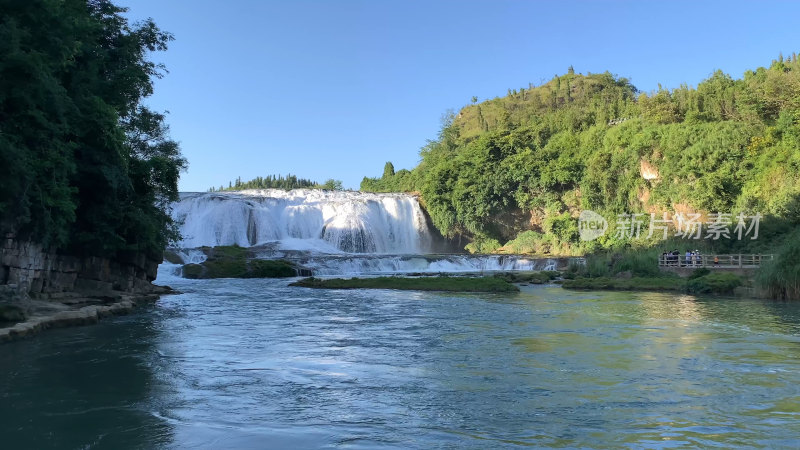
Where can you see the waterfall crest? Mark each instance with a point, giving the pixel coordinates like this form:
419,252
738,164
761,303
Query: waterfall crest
304,219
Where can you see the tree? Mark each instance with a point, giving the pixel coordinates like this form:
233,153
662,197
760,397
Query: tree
388,170
271,182
37,113
85,167
332,185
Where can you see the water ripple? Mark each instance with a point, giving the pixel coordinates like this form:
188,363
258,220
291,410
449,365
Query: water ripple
254,363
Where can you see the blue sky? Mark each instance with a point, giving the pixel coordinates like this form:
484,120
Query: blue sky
334,89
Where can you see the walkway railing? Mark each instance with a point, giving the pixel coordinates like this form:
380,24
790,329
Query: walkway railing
735,261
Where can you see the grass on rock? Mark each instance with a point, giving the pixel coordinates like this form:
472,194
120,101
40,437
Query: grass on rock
442,283
235,262
707,283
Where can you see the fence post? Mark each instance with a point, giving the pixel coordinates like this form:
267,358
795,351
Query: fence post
740,260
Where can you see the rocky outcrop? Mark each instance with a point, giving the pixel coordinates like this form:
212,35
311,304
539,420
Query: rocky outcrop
39,273
240,262
73,311
40,289
648,171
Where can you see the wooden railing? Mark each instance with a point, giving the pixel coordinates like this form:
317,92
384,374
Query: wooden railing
735,261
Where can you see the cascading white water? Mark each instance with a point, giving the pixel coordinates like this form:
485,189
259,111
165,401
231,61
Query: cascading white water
304,219
356,264
329,233
365,264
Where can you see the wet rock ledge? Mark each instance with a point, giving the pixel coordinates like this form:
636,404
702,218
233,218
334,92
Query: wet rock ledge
40,289
26,317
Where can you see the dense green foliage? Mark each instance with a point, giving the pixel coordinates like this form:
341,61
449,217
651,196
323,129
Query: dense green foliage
640,262
637,269
714,283
441,283
279,182
519,169
781,278
84,166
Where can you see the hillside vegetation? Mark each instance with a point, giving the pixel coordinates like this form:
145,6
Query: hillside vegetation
279,182
512,174
521,168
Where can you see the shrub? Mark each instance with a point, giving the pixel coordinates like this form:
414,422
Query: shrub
528,242
781,278
714,283
264,268
640,262
597,266
697,273
482,245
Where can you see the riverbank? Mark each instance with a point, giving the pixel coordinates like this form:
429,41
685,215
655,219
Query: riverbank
699,283
75,310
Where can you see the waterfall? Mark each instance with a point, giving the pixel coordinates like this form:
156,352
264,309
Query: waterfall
304,219
328,232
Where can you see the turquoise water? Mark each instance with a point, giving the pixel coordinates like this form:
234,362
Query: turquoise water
256,364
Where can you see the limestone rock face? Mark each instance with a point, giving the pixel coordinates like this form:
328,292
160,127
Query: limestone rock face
648,171
28,270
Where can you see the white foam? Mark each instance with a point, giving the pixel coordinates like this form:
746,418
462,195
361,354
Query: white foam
351,265
304,219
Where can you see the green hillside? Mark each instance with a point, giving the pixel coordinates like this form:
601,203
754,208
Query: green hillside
517,171
531,161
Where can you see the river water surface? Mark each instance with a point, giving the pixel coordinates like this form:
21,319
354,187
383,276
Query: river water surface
256,364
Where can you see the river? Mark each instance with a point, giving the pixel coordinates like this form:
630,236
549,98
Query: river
257,364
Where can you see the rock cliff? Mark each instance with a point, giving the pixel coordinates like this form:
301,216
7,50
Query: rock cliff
41,274
41,286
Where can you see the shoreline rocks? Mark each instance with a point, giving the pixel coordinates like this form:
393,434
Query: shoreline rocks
36,271
41,288
75,311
